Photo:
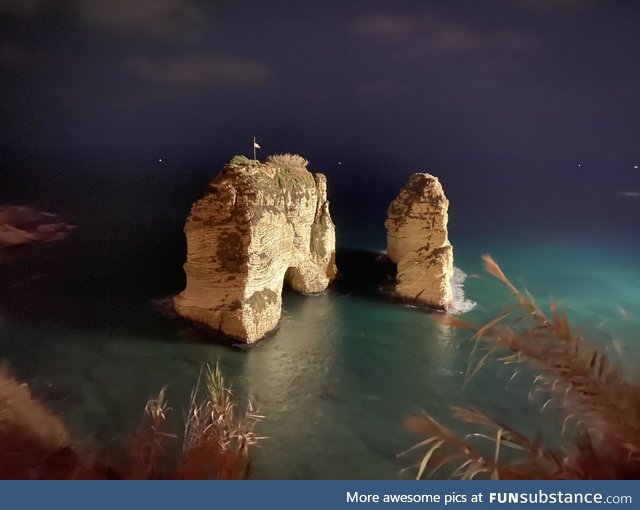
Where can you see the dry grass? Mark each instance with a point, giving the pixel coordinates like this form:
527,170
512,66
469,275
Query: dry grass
217,438
600,410
34,443
216,442
288,161
149,443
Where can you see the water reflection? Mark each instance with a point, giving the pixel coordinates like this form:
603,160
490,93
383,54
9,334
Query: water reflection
292,377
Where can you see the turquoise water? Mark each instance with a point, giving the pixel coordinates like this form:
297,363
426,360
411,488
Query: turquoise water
78,321
336,379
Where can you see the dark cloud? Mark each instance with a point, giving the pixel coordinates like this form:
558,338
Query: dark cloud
20,7
202,69
384,25
552,5
460,57
155,18
425,34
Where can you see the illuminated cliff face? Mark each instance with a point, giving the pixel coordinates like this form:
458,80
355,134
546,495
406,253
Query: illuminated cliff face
256,226
418,242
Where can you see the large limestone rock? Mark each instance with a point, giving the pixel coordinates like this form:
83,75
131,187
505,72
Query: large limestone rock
418,243
255,226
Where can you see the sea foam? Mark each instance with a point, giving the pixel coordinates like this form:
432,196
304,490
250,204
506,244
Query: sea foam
460,303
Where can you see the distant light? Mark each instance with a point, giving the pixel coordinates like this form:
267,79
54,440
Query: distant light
159,160
635,167
579,165
340,162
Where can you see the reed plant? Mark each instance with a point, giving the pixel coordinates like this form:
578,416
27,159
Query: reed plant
598,409
218,436
217,439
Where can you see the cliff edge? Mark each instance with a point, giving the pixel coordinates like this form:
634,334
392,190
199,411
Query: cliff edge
256,225
418,242
25,225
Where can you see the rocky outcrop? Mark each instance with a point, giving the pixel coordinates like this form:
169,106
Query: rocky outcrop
26,225
32,438
256,226
418,243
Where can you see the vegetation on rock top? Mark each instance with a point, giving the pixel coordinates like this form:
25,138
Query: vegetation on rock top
239,160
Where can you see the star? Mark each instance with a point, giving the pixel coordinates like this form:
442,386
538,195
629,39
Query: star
159,160
635,167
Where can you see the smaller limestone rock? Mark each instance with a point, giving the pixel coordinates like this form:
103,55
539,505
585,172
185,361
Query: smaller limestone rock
418,242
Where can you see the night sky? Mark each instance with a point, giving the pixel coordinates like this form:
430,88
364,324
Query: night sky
532,95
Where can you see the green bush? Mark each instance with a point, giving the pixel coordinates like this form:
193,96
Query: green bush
243,161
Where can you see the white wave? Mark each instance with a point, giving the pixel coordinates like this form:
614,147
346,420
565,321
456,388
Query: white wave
460,303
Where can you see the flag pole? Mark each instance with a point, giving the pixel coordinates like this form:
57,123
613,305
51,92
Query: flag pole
254,148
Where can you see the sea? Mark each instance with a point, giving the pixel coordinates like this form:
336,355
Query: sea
82,322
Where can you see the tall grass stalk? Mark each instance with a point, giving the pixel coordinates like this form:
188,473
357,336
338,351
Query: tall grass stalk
599,409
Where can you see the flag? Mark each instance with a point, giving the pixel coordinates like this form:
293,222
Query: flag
255,145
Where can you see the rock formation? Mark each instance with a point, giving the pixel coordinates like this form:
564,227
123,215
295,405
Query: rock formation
25,225
256,226
417,241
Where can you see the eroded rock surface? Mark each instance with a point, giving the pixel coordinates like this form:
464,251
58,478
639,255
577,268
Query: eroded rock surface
418,243
256,226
